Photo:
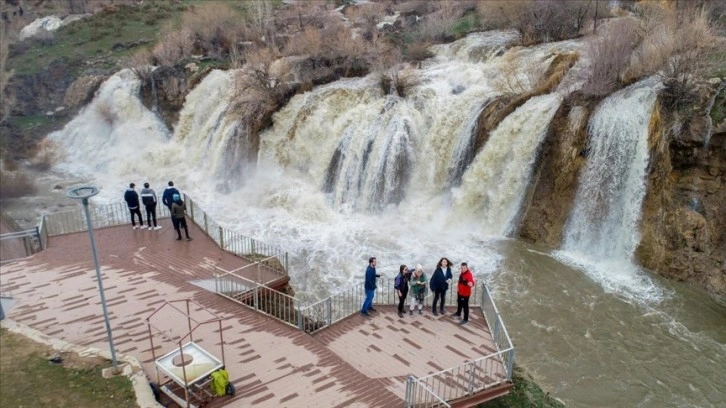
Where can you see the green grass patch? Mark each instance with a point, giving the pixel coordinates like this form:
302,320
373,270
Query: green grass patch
30,380
28,123
718,111
466,24
525,394
109,33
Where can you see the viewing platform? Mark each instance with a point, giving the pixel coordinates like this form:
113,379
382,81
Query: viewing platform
288,355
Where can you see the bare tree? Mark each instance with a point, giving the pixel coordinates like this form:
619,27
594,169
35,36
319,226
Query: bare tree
609,55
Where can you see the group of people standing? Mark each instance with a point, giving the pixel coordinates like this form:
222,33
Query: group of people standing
415,283
171,199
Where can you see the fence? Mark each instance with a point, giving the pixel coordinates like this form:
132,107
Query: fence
72,221
469,377
14,245
258,296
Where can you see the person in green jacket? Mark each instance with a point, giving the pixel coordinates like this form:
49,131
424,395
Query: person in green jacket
177,217
418,289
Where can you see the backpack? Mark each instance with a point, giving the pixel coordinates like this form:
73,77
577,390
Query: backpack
220,381
397,282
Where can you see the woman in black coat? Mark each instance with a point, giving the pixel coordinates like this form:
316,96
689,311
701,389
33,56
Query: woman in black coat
401,286
440,283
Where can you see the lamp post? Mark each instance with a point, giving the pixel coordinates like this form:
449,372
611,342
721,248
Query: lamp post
83,194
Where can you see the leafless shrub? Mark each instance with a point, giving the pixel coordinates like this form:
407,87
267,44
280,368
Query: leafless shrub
308,42
258,84
173,46
399,82
681,47
46,154
540,20
437,25
609,55
215,26
16,184
140,64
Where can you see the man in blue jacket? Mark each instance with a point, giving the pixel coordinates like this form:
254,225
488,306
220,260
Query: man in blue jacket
370,287
168,197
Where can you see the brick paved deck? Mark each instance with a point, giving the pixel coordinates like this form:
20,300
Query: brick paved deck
358,362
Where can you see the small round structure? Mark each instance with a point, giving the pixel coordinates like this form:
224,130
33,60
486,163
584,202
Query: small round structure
80,193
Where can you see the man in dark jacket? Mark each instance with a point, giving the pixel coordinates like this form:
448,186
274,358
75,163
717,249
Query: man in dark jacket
370,287
440,283
148,197
132,201
168,197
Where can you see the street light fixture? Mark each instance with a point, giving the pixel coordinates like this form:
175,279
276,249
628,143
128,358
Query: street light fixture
83,194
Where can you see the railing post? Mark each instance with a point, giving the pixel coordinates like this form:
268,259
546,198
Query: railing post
221,238
40,241
510,364
216,283
329,311
471,378
409,391
206,228
287,271
252,244
299,318
495,335
256,295
191,208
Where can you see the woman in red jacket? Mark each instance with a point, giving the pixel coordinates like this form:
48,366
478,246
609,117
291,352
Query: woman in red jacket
466,282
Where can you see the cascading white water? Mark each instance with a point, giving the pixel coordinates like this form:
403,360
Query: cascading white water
494,185
603,228
114,135
340,159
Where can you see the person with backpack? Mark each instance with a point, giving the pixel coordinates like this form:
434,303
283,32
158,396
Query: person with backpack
401,286
168,196
148,197
418,289
466,282
132,201
178,208
440,283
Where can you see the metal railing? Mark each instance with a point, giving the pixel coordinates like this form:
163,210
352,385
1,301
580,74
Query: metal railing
236,243
469,377
19,244
258,296
72,221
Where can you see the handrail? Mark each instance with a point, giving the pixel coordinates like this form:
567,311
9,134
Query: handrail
72,221
413,385
31,243
472,376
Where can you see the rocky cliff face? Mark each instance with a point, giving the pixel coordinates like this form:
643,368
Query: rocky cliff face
683,226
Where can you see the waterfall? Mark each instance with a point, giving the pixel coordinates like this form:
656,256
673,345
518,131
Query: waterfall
493,187
342,160
154,96
114,134
603,228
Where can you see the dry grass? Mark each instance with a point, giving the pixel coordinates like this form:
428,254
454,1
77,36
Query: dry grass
609,55
140,64
173,46
541,20
680,47
398,82
214,26
436,26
